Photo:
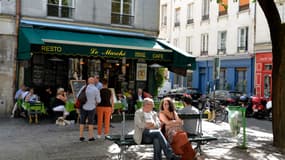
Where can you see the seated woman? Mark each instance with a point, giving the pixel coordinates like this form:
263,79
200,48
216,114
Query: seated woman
59,102
31,97
172,129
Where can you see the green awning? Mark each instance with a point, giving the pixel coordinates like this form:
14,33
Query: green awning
57,42
182,61
91,45
26,38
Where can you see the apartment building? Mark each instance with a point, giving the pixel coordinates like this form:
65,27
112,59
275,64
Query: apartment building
50,42
221,36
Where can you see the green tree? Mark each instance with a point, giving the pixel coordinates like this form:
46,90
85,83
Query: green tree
159,78
277,34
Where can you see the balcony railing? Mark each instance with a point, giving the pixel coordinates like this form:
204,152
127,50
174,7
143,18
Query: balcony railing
205,17
176,24
189,21
244,7
59,11
221,51
122,19
204,53
221,13
242,49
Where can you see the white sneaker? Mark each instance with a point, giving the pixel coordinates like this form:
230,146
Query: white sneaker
99,136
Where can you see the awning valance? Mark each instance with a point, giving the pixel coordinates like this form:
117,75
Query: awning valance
57,42
84,44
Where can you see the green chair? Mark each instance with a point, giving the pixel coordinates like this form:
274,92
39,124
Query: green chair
139,105
156,106
69,106
118,106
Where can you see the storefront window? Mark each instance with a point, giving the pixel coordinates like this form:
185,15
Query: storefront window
94,67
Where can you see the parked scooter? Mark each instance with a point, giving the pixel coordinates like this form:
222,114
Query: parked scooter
259,107
246,102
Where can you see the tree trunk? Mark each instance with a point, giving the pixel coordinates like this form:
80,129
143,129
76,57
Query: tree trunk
277,32
278,89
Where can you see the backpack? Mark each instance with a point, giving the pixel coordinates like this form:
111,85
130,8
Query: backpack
81,99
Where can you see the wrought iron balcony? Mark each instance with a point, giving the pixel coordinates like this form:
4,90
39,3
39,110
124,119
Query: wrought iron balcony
122,19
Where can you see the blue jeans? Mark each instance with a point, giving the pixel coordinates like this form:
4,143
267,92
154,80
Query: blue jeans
155,137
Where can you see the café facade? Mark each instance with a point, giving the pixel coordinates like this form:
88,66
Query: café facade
53,54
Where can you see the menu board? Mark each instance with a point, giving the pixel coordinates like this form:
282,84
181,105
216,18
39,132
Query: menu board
38,74
76,85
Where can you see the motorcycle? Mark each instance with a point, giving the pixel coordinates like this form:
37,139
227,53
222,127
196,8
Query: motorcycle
259,107
246,102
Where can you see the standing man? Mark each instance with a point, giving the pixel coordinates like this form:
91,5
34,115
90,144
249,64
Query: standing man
147,131
98,84
88,109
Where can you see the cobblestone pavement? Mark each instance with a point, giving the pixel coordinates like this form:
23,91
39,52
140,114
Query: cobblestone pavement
46,141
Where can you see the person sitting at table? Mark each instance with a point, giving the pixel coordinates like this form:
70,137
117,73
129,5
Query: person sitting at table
59,104
189,125
18,100
147,131
31,97
172,129
47,98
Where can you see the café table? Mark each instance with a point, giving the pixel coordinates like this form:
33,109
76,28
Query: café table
34,109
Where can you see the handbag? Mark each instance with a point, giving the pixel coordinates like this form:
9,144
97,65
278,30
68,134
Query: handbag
81,99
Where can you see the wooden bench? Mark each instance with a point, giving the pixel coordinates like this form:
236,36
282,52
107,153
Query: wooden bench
125,141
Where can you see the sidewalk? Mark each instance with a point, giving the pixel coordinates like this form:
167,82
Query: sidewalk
45,141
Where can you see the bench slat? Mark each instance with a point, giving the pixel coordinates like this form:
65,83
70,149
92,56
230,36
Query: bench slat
192,116
128,141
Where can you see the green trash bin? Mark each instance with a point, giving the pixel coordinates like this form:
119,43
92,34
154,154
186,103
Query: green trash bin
237,122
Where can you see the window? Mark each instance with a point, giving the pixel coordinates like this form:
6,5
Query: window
60,8
267,67
222,39
177,17
242,39
189,44
223,7
204,44
164,15
190,13
241,80
122,12
243,5
205,9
